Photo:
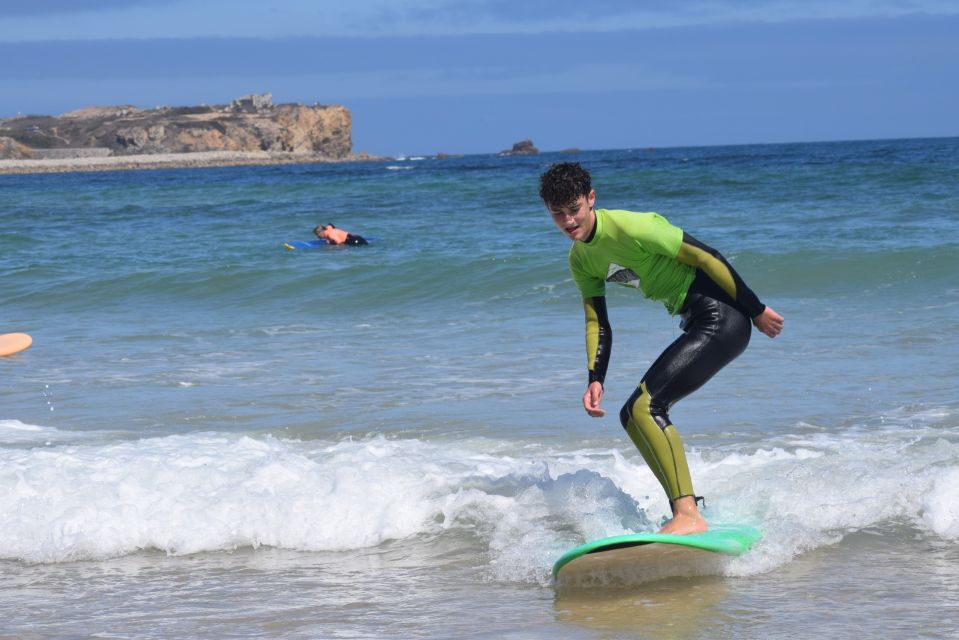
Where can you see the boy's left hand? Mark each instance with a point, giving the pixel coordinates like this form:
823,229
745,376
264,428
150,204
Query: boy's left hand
769,322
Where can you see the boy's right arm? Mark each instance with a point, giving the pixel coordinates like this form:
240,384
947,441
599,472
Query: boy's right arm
599,344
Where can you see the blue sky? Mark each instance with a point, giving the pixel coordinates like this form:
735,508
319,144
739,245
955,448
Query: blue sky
474,76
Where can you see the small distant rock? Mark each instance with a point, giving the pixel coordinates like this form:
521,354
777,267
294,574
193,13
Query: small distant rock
570,150
521,148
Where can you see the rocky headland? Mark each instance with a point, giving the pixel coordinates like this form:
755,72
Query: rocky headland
250,130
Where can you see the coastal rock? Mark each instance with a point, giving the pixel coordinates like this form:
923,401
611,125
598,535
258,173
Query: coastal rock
142,139
10,148
250,124
521,148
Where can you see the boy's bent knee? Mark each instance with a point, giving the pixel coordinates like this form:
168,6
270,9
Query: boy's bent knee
642,406
626,413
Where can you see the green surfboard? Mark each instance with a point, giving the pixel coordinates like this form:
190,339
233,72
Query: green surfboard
727,540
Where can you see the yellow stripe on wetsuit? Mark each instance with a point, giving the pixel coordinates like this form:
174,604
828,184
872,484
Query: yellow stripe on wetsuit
599,338
661,447
711,262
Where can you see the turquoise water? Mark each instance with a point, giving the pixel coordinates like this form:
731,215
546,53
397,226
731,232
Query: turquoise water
360,441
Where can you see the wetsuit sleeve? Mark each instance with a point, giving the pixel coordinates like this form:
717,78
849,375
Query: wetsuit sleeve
713,264
599,338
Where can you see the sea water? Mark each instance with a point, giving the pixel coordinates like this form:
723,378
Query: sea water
212,436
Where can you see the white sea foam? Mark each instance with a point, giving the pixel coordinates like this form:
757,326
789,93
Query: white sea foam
940,506
526,504
13,432
184,494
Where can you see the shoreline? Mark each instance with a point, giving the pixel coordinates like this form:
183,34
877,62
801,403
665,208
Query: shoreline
196,159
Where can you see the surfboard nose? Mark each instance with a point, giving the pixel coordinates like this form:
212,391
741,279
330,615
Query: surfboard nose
11,343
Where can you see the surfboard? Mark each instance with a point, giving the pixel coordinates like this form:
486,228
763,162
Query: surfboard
11,343
656,548
315,244
305,244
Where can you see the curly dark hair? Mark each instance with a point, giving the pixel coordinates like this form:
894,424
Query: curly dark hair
563,183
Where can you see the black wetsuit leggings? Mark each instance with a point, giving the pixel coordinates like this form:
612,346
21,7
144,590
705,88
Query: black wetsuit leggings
715,331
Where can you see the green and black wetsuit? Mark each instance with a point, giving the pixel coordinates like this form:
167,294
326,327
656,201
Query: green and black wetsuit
644,251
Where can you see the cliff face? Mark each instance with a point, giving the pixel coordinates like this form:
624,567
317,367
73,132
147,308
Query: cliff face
242,126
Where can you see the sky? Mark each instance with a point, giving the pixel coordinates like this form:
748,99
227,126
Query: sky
475,76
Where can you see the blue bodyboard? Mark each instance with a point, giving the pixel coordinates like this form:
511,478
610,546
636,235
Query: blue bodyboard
305,244
318,244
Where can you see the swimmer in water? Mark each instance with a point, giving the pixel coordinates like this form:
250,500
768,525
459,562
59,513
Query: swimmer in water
332,235
693,280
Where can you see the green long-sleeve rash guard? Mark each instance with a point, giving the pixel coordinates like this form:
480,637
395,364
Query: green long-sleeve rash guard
646,252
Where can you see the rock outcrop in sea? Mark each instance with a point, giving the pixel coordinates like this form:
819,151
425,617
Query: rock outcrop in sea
521,148
249,124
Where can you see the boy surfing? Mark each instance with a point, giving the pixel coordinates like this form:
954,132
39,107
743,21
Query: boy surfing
692,280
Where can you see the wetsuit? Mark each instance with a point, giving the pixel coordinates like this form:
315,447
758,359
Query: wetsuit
644,251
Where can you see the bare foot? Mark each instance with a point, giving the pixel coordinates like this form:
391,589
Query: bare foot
686,518
682,525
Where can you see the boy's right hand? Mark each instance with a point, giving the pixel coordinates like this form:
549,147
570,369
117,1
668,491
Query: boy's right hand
592,398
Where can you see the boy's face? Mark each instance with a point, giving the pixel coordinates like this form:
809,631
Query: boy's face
576,219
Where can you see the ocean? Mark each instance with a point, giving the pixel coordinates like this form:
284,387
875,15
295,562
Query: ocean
212,436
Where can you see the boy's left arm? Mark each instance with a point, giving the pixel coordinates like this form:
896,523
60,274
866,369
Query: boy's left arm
713,264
